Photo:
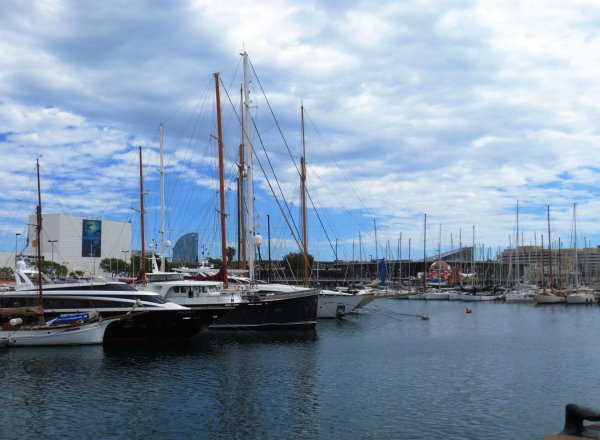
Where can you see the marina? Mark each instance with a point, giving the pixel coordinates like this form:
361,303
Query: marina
503,371
381,225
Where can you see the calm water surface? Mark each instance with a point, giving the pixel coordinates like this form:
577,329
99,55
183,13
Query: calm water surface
506,371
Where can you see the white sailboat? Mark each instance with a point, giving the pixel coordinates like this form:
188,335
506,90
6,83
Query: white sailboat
519,293
580,295
549,297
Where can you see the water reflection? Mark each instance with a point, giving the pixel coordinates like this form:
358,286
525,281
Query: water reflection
379,374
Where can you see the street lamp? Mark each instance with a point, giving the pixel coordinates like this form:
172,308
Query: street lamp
52,244
16,246
125,252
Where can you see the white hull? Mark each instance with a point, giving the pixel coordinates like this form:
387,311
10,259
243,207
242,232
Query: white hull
432,296
418,296
469,297
334,304
83,334
549,299
519,297
454,296
581,298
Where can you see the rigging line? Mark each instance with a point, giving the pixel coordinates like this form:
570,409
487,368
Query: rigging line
267,156
298,242
274,118
290,153
320,221
341,170
265,174
274,175
181,169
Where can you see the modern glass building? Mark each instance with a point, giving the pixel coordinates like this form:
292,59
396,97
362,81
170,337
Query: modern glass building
185,251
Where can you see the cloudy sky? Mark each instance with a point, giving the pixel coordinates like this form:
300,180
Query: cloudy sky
454,109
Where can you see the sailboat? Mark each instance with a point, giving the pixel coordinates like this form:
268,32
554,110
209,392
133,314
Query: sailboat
25,326
549,297
519,293
438,276
580,295
245,304
421,295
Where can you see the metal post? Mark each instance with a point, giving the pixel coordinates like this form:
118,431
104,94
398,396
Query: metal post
52,245
16,246
126,252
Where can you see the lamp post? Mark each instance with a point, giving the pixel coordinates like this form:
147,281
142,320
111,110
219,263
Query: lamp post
125,252
16,246
52,245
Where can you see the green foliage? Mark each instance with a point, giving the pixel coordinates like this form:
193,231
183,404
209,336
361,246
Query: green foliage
294,261
215,262
114,266
230,254
6,273
53,269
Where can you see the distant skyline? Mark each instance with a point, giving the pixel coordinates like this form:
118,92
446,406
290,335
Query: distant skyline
453,109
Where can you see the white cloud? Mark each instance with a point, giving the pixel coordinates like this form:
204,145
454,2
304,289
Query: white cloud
454,109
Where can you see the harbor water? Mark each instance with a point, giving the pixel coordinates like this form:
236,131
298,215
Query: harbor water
504,371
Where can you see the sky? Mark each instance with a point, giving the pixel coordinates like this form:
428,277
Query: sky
456,111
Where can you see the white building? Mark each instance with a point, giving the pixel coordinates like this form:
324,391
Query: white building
80,243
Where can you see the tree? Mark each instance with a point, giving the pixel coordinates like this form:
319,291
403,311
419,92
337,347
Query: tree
6,273
294,261
53,269
215,262
114,266
230,254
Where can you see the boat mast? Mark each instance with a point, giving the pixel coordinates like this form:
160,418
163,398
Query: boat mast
303,203
248,163
518,271
143,249
241,198
575,245
38,229
425,253
161,171
473,261
221,182
543,269
400,261
439,269
550,252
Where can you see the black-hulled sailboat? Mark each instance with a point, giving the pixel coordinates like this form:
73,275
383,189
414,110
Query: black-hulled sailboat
239,306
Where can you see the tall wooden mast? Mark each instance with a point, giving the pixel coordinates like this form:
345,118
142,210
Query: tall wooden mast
38,229
221,182
303,203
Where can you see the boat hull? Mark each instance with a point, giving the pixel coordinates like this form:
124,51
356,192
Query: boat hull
83,334
162,324
467,297
335,305
519,297
581,298
432,296
549,299
290,310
